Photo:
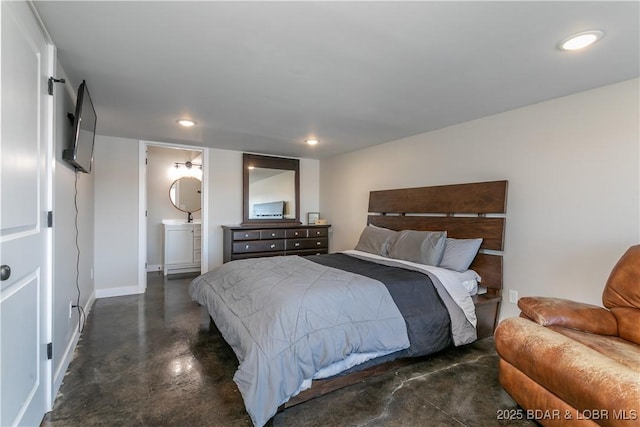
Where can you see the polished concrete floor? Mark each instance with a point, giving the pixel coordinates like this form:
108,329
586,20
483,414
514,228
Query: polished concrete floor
152,360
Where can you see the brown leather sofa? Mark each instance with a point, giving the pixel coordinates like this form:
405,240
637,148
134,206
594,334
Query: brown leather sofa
569,363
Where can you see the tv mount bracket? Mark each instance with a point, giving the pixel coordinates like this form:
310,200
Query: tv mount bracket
53,80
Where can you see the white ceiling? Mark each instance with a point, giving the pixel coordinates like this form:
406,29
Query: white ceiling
264,76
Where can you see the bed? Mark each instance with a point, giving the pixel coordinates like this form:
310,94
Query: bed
304,326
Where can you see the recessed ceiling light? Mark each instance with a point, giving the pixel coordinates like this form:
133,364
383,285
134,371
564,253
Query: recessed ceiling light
186,123
581,40
312,141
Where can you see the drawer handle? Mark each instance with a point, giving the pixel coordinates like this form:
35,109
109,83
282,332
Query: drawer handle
273,246
246,247
273,234
246,235
317,233
296,244
318,243
5,272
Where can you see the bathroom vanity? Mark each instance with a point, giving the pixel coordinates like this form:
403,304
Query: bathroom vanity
181,246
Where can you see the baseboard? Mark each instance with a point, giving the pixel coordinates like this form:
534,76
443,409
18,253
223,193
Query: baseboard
117,292
67,357
154,267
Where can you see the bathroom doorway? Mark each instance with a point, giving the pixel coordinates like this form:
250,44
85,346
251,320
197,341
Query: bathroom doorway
164,167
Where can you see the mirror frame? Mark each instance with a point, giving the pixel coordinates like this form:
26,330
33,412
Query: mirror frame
174,183
268,162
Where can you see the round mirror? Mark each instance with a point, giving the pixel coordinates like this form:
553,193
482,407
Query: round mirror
185,194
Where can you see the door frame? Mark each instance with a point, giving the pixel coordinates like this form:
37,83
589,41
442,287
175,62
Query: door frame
142,206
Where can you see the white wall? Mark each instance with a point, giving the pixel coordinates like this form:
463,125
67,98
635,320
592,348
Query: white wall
116,208
309,188
225,198
225,195
65,254
573,169
116,216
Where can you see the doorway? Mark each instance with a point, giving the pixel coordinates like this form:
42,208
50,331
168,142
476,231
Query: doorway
161,164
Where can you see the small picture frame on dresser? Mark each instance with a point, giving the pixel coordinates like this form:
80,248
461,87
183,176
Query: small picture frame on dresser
313,217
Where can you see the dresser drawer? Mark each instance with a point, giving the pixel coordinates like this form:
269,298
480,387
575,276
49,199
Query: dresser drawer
271,234
318,232
297,244
246,235
296,232
258,246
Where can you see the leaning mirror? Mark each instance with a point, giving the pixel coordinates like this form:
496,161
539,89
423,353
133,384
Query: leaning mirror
271,189
185,194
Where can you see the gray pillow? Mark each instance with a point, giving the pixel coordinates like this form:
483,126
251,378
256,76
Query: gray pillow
459,253
376,240
423,247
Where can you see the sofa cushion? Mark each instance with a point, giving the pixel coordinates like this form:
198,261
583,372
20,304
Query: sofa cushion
580,376
622,351
623,291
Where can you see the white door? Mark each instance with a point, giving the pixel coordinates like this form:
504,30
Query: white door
25,138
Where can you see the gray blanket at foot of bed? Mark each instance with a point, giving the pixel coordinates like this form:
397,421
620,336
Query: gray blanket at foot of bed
288,317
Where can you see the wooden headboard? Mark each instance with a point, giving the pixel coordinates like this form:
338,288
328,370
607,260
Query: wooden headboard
465,211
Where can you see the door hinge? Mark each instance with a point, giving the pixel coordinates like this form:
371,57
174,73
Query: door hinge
50,219
51,82
146,161
146,213
50,351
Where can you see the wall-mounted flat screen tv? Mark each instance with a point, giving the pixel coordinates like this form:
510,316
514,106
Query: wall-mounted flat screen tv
80,154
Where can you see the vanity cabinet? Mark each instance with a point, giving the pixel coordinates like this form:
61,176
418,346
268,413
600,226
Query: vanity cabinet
253,241
182,248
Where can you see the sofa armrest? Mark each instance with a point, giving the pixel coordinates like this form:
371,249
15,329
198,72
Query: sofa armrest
571,314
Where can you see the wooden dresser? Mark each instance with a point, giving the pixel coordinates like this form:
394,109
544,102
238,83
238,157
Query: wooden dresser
252,241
